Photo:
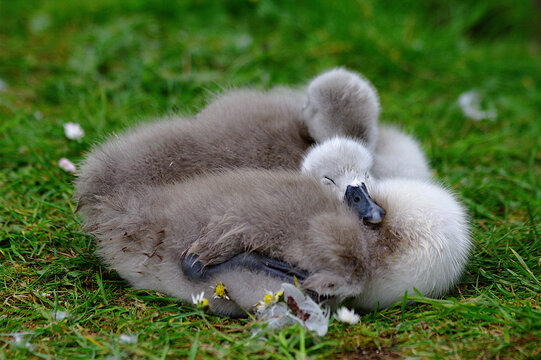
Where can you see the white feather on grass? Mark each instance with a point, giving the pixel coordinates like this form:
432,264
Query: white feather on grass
295,308
470,103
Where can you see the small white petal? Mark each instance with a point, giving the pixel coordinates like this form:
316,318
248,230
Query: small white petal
73,131
67,165
260,307
60,315
197,299
20,339
3,85
127,339
347,316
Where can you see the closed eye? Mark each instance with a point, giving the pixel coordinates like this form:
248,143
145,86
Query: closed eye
327,179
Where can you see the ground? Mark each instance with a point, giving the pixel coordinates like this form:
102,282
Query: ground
109,64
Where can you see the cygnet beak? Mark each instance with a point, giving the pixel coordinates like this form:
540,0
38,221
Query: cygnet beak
358,199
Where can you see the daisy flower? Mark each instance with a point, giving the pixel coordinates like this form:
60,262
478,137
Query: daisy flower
200,301
73,131
347,316
220,292
67,165
269,299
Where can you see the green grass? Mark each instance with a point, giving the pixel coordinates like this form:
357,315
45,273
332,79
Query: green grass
109,64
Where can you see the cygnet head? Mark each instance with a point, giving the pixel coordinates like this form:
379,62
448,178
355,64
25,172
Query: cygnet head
343,165
339,162
429,228
342,103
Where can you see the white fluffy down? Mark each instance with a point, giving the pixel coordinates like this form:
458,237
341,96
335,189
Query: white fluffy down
339,162
399,155
434,248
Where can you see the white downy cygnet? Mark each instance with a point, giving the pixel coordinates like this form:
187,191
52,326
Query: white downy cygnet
429,265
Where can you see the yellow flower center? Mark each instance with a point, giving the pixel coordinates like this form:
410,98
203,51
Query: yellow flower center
220,290
268,299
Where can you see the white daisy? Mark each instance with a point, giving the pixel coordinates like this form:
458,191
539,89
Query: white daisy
73,131
220,291
347,316
269,299
199,300
67,165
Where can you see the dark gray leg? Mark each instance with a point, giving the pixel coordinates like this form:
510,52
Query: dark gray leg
197,271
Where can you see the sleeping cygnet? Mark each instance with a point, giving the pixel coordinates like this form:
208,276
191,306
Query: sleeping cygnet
253,229
429,265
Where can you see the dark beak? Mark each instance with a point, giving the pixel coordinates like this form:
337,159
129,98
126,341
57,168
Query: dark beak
358,199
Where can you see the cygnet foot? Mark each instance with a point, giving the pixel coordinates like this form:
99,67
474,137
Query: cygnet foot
341,102
195,270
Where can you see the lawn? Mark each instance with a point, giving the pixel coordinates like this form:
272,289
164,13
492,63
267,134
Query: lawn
110,64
